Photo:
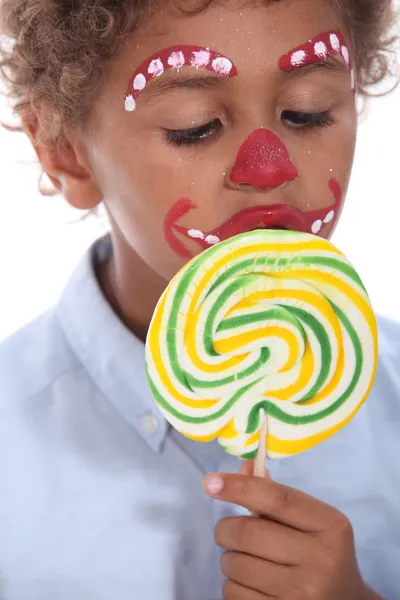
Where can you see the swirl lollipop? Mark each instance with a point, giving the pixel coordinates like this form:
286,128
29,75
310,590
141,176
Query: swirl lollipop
273,321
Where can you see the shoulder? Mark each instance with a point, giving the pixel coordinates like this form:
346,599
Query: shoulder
33,358
389,338
386,391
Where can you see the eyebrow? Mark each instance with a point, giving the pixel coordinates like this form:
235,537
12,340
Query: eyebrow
165,84
329,64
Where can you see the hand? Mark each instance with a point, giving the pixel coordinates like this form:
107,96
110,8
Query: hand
300,548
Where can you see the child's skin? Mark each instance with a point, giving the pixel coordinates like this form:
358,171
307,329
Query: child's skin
124,159
300,549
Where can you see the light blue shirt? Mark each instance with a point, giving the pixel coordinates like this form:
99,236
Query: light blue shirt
100,500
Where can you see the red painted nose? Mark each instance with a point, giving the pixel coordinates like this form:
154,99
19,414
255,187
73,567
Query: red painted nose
263,162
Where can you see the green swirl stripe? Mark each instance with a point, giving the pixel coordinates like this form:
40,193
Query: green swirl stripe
193,382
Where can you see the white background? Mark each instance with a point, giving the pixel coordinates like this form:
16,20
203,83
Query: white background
41,240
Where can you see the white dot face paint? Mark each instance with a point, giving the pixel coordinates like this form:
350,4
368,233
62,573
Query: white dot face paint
200,59
320,49
345,54
316,227
298,58
130,103
196,234
335,43
329,217
176,60
212,240
156,68
139,83
222,65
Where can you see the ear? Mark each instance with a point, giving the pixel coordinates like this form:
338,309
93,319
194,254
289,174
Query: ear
66,165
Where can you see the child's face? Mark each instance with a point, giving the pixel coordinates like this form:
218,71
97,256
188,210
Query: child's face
201,154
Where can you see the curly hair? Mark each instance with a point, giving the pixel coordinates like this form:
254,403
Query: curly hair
54,53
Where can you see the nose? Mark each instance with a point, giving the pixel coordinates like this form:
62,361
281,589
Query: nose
263,162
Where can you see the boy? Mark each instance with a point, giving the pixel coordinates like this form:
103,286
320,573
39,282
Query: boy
150,108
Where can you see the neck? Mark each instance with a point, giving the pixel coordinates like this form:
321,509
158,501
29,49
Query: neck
130,286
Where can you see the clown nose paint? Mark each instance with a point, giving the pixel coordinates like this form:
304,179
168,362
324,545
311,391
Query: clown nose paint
263,162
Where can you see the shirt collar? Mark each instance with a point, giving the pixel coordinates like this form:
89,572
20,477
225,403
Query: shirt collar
112,355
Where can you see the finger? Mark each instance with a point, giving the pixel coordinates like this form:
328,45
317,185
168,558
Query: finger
258,575
269,498
234,591
265,539
247,468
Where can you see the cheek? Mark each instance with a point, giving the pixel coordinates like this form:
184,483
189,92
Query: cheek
336,142
143,203
162,173
329,155
142,184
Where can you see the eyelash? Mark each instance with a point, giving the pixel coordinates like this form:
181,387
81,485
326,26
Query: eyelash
296,119
307,121
195,135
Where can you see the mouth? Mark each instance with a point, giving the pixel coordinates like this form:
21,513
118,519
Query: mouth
276,217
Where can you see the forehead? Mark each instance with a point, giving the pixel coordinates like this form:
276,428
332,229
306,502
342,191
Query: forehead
251,34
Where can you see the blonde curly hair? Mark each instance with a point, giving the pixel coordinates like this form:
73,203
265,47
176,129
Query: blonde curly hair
55,52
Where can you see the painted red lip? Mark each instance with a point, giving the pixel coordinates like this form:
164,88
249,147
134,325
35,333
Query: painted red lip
263,217
259,217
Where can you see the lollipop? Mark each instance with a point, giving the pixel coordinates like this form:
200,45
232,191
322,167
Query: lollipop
269,322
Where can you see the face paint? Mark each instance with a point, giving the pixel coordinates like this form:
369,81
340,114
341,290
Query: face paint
176,212
320,221
263,162
325,45
175,58
336,209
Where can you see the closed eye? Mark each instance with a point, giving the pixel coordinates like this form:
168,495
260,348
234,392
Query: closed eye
305,120
194,135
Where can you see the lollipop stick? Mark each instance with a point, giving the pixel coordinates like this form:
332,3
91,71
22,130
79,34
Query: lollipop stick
261,458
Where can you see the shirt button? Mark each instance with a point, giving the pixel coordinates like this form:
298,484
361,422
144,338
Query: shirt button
149,424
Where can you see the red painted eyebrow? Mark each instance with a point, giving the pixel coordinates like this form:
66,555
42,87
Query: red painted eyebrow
325,45
326,48
176,57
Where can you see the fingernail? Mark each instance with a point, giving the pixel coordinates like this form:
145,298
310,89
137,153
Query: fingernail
214,484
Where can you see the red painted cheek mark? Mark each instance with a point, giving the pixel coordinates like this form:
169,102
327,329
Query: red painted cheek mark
323,46
176,212
337,192
175,58
263,162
